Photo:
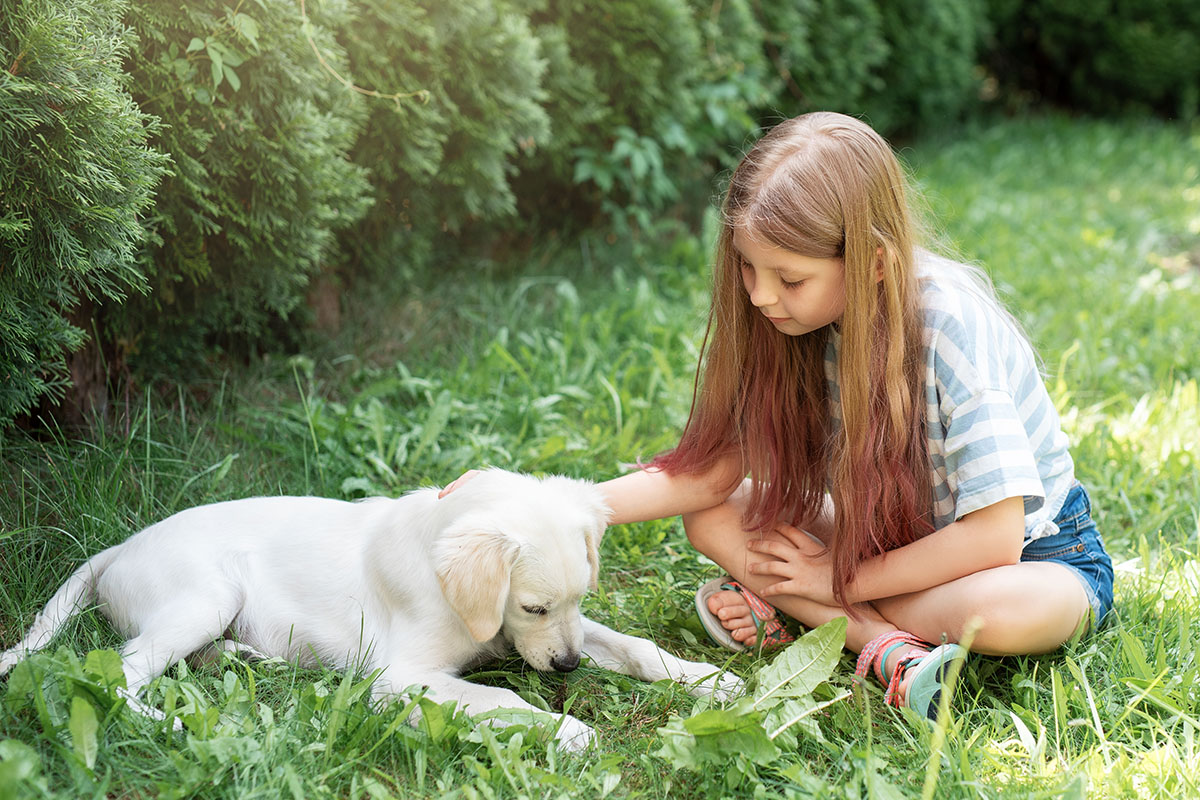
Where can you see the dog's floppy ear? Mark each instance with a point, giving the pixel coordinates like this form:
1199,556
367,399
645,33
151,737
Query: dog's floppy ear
474,568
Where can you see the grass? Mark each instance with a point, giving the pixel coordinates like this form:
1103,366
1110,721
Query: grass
582,361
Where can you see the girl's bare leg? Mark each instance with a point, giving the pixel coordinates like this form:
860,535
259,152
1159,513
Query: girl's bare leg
1021,608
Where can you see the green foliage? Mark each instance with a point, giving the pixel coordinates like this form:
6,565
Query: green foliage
260,134
740,739
930,74
444,158
76,178
830,51
1102,56
621,100
902,66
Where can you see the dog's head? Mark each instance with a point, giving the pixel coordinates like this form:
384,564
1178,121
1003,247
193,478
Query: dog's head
519,559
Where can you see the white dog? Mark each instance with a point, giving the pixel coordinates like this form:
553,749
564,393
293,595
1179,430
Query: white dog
420,587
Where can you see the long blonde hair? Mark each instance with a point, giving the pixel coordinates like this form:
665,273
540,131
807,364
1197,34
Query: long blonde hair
822,185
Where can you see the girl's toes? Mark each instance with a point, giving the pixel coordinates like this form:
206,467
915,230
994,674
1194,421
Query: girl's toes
744,635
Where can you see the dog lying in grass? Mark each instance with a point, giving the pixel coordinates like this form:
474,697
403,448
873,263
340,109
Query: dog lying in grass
418,587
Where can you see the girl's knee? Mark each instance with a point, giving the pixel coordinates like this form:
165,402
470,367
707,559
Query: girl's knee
712,528
698,525
1037,625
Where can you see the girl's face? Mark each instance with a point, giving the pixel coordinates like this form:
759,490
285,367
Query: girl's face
798,294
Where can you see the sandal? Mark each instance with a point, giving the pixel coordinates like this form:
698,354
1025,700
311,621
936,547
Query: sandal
771,632
929,670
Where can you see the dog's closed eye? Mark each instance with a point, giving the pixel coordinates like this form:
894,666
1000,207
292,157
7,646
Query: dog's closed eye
538,610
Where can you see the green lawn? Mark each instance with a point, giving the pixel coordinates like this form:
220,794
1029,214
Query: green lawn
579,361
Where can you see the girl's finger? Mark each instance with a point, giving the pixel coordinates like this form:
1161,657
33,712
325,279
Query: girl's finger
782,588
457,482
780,568
801,539
772,548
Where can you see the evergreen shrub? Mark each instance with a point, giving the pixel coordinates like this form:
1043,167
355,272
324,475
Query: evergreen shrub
901,66
736,80
463,104
621,85
260,132
1101,55
76,177
931,73
829,53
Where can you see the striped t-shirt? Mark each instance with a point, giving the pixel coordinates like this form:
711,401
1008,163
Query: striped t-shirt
992,429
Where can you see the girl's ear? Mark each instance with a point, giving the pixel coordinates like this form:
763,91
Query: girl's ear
878,264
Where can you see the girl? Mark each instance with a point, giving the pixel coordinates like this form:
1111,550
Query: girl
905,463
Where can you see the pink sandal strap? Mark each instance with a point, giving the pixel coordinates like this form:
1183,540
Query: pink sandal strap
771,629
875,653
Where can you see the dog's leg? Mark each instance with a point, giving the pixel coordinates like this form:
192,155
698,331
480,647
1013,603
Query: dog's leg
643,659
212,653
174,632
572,735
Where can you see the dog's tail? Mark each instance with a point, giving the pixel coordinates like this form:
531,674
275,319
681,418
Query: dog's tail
71,598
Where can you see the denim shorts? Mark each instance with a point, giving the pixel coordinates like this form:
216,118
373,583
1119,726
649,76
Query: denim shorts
1079,548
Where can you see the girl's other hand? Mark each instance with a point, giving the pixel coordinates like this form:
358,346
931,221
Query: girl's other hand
458,482
800,559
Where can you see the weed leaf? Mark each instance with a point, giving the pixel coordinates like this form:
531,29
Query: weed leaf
802,666
83,726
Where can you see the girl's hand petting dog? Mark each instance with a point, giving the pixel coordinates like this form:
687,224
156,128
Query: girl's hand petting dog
801,560
458,482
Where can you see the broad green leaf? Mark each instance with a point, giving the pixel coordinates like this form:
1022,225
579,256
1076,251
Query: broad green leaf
83,726
247,27
435,423
799,712
195,44
18,762
713,737
802,665
22,683
105,665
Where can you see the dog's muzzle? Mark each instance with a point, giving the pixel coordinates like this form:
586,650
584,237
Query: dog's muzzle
565,663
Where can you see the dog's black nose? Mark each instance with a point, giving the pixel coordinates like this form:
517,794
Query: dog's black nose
565,663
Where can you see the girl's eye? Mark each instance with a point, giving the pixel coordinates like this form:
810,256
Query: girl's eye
791,284
538,610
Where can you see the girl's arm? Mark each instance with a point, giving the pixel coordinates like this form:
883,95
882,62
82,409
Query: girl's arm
989,537
654,494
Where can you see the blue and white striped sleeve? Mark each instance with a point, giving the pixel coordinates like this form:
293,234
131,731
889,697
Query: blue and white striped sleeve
988,454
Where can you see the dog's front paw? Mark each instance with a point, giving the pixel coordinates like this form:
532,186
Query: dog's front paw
9,659
705,680
573,735
726,687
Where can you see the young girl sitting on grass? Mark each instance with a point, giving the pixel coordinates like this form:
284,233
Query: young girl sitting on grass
905,464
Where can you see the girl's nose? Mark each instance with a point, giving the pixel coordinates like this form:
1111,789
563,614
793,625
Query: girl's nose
762,294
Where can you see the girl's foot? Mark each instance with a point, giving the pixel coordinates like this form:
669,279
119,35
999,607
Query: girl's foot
736,618
912,670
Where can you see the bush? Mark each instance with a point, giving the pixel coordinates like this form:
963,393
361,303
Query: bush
260,133
621,95
901,66
442,156
76,175
931,73
829,51
1101,55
